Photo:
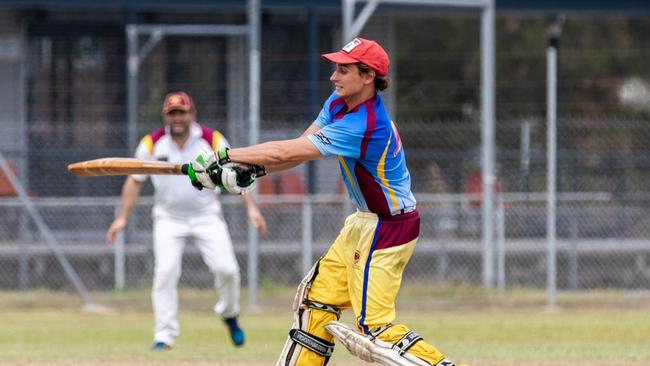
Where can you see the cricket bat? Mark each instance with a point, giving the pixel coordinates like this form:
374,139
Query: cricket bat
124,166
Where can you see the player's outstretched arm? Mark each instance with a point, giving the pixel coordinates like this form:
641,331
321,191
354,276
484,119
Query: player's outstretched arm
275,168
276,155
211,169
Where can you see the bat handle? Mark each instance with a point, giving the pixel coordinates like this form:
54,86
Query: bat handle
185,168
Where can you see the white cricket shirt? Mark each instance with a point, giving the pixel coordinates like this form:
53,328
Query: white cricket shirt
174,195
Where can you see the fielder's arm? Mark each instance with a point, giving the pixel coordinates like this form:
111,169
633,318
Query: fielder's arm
279,155
254,214
130,194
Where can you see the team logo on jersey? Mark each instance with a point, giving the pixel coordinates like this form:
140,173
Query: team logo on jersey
351,45
323,138
357,257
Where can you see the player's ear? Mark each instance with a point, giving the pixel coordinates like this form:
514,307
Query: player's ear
370,77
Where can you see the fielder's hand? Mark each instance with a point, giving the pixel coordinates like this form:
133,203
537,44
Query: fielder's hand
117,226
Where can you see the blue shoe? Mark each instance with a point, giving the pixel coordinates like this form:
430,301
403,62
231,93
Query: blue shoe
160,346
236,333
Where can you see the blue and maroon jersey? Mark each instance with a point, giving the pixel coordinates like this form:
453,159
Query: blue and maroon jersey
370,154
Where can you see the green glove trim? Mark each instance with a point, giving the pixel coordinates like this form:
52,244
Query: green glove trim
193,179
192,174
222,156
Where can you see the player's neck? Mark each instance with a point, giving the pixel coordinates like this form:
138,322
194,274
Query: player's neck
180,139
353,101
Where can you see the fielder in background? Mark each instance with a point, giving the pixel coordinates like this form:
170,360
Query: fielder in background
363,268
179,212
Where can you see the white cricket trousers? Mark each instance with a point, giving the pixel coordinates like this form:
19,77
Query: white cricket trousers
212,238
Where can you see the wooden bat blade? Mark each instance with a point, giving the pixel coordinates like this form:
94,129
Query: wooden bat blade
124,166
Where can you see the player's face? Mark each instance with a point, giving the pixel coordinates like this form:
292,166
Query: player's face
348,81
179,122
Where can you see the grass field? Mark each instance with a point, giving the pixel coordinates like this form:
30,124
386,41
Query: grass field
47,328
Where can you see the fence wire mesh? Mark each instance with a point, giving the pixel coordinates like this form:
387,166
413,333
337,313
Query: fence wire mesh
602,241
75,110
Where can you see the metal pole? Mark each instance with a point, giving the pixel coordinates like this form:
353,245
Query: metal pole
389,94
45,232
525,154
307,235
348,18
119,266
22,165
313,72
23,259
573,255
254,43
551,156
488,140
132,88
501,245
358,23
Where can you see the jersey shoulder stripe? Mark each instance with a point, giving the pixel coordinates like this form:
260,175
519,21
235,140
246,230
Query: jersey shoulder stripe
370,127
336,102
216,139
157,134
206,134
149,141
212,137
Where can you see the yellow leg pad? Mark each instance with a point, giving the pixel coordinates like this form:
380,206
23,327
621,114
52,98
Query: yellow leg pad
420,349
317,319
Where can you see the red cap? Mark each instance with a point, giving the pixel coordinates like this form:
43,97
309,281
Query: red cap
177,101
364,51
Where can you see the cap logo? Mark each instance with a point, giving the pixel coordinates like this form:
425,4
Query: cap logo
175,99
352,45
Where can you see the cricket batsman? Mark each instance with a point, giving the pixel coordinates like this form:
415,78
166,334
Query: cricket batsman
362,270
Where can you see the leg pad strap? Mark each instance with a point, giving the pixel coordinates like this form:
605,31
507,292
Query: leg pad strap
315,344
406,342
322,307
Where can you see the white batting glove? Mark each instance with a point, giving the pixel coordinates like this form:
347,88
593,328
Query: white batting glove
201,166
237,178
211,169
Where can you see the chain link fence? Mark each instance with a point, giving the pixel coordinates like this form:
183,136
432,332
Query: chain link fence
603,241
76,110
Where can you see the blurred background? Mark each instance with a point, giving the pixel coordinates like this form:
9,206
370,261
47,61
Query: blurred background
63,67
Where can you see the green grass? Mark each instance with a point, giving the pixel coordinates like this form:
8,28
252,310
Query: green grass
47,328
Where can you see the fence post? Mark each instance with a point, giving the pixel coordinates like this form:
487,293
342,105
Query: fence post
119,264
501,244
253,270
444,228
23,262
307,234
573,254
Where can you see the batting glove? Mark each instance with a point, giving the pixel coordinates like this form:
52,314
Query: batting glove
240,178
212,169
206,166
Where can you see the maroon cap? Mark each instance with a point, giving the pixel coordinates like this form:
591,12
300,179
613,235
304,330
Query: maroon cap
364,51
177,101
